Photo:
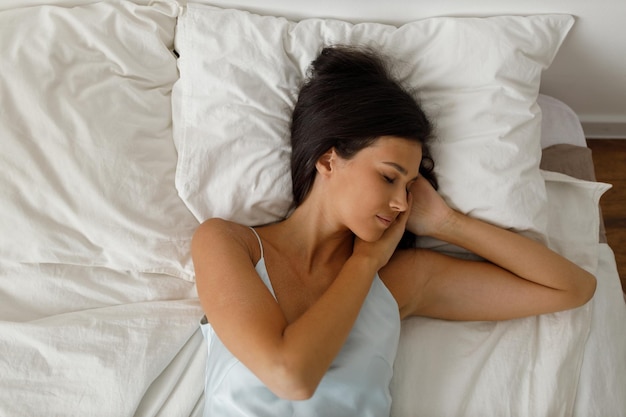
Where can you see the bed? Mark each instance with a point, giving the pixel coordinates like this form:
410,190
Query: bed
124,125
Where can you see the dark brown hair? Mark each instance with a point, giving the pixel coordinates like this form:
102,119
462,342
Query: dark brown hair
348,101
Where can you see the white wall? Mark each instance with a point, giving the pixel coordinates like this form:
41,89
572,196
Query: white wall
589,73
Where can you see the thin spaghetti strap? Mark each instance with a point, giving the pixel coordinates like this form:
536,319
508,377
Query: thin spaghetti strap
259,239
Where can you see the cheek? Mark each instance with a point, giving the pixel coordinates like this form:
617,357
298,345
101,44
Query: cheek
372,195
361,205
360,192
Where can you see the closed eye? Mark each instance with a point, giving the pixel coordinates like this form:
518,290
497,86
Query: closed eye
389,179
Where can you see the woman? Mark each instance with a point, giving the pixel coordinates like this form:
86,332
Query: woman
305,313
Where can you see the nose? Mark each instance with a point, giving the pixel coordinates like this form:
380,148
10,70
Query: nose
399,201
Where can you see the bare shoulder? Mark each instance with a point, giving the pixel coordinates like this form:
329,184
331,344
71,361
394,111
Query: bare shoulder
217,235
224,253
218,228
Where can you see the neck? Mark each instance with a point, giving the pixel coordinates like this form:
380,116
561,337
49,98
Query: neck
314,237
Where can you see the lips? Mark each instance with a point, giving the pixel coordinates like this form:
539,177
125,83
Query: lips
386,221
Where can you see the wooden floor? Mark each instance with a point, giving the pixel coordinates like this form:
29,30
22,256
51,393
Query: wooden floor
609,157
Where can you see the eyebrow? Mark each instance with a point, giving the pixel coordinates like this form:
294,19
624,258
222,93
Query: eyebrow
399,168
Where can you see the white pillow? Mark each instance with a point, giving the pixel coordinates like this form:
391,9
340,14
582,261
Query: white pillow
87,155
477,78
574,217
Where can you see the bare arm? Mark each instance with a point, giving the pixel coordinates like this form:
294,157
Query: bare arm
290,358
522,277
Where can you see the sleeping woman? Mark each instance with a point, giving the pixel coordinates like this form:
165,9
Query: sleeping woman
303,315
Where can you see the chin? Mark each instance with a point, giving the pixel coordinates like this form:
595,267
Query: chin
369,235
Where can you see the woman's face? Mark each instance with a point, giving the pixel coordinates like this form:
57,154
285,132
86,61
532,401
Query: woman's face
370,189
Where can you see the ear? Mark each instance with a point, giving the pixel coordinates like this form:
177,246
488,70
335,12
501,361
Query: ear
326,163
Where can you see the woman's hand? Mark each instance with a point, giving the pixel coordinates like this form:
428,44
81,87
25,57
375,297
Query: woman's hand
381,250
429,212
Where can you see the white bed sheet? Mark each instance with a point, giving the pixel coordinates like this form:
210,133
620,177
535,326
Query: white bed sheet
602,386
